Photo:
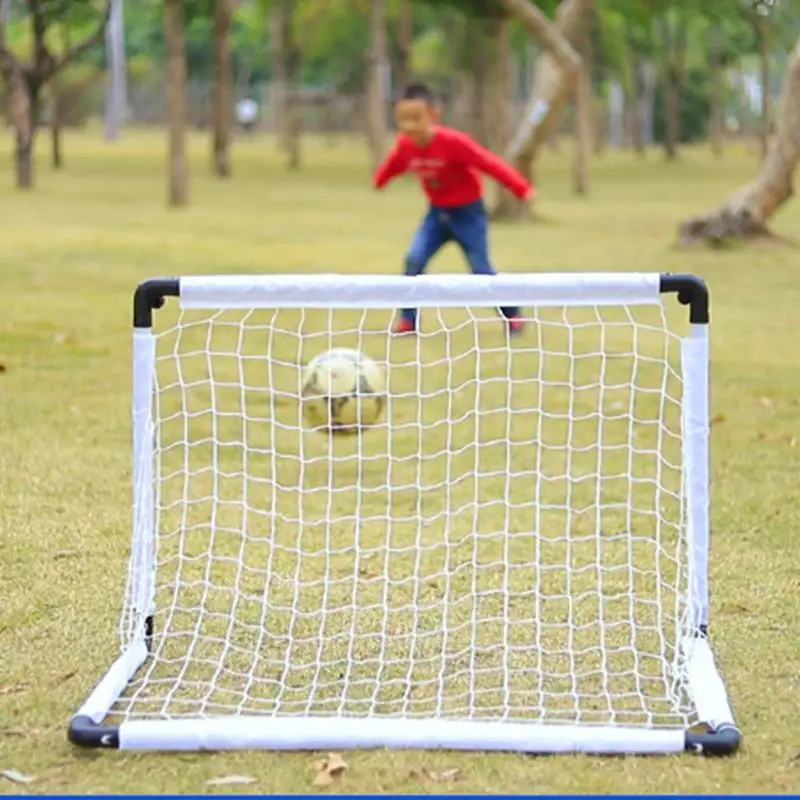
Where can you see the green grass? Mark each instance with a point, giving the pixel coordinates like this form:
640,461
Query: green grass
70,255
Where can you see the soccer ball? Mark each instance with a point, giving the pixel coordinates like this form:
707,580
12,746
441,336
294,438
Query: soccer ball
344,391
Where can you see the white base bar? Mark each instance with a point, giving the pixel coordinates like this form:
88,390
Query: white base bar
706,687
113,683
347,733
423,291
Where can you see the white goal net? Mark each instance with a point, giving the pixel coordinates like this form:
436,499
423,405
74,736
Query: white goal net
513,557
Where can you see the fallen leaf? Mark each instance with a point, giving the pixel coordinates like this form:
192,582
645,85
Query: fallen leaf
767,402
717,418
328,769
16,777
735,608
14,688
231,780
66,676
446,776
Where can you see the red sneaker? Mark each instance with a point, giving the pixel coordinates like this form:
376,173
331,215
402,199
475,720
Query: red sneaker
403,326
516,325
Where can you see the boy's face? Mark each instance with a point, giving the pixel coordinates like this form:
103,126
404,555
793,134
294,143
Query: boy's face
416,118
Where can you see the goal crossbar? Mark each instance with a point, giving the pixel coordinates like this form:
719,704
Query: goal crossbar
674,621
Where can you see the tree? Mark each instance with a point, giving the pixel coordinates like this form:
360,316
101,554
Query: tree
728,36
405,40
716,109
116,83
175,75
25,79
746,213
556,71
583,114
286,61
673,28
476,34
222,88
56,148
377,73
759,13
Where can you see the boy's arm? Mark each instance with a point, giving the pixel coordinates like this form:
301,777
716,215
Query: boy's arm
487,162
395,163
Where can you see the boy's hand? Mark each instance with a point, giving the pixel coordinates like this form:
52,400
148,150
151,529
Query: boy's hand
526,210
529,199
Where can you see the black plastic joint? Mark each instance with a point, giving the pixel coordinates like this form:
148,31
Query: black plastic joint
723,741
692,291
84,732
151,295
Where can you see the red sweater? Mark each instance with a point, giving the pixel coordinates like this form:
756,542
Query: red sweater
449,168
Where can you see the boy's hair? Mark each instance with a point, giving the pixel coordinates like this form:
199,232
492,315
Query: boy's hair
418,91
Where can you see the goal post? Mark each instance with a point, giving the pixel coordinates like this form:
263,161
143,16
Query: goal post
514,557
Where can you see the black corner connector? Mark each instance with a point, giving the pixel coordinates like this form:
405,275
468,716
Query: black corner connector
692,291
150,295
84,732
724,741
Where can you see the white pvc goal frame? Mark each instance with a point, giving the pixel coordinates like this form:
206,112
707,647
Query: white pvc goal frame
715,731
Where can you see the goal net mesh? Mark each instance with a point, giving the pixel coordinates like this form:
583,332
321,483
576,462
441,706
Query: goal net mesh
507,543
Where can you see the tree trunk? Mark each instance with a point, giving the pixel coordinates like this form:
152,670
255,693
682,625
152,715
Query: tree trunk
55,127
377,101
600,125
637,104
278,63
583,113
174,41
57,112
496,89
716,121
222,89
22,117
476,66
745,214
674,54
648,101
497,85
288,56
555,74
673,132
762,24
405,41
116,81
294,126
616,114
583,134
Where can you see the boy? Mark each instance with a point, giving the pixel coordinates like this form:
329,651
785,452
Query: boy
448,163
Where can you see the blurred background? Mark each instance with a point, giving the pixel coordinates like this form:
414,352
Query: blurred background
652,72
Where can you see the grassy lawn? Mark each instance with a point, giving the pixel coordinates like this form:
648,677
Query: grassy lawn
71,254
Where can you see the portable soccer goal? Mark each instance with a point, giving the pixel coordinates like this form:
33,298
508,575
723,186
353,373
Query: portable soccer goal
514,557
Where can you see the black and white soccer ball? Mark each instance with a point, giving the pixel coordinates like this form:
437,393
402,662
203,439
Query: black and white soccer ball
344,392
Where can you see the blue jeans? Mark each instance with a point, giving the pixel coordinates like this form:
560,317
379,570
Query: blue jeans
467,226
